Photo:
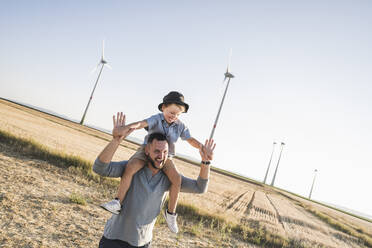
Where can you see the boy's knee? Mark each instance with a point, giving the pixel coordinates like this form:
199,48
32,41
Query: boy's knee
133,166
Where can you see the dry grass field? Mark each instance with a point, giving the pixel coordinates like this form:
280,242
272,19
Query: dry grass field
40,204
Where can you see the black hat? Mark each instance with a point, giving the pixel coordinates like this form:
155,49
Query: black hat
176,98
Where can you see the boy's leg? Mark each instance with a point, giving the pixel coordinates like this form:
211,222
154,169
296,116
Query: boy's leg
133,166
170,215
174,177
136,162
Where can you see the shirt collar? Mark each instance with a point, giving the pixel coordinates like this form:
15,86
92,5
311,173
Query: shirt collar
148,173
165,122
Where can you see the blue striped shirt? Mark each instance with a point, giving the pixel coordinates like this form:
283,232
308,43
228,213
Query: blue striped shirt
177,129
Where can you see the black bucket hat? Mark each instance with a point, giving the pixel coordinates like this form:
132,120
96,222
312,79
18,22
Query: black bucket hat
176,98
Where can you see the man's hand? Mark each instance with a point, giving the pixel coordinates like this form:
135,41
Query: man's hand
120,130
206,152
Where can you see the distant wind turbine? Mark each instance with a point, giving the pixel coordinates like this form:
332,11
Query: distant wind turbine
312,185
104,63
228,76
277,165
268,167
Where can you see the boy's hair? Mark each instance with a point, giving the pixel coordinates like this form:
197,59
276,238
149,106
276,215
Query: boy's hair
156,136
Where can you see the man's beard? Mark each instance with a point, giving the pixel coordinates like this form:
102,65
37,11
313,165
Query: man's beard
152,162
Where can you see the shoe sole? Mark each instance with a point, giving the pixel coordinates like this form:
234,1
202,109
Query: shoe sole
116,213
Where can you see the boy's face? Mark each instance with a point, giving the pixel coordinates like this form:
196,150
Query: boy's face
171,112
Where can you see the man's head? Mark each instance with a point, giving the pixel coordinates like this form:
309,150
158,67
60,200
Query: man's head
157,150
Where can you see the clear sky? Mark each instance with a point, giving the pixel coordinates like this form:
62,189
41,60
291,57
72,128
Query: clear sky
303,77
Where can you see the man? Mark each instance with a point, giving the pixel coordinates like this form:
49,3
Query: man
142,204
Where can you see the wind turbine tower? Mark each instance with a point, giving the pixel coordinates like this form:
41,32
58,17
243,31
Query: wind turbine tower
228,76
103,63
312,185
268,167
277,165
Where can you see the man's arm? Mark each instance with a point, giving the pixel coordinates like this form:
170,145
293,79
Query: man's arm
103,165
201,184
108,152
112,169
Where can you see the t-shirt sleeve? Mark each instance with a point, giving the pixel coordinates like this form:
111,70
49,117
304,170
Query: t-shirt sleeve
198,186
112,169
185,133
152,121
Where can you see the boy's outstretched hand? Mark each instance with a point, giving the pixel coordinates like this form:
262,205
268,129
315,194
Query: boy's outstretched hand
120,130
206,152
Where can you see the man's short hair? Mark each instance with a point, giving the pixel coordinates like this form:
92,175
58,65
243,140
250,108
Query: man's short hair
156,136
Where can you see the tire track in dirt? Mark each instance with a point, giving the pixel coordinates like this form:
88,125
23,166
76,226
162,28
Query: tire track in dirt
236,203
249,207
236,200
276,211
260,212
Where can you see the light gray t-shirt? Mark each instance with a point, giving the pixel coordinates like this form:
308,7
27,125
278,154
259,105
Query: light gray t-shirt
142,203
157,124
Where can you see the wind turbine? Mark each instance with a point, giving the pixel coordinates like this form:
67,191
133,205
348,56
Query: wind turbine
268,167
277,165
228,76
104,63
312,186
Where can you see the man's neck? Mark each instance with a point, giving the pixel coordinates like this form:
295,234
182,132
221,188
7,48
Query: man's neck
153,170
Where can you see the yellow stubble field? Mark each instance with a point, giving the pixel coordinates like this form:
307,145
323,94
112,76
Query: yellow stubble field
238,201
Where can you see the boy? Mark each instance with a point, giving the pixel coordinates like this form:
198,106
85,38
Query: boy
167,123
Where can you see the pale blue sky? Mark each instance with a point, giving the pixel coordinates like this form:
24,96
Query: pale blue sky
303,76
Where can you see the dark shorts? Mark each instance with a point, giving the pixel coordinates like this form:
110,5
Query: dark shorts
116,243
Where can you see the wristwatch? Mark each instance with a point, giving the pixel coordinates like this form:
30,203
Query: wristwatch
206,162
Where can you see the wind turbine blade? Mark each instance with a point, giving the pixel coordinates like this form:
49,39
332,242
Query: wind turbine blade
224,80
103,49
229,62
108,66
95,68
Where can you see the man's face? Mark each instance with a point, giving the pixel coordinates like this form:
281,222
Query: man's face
157,152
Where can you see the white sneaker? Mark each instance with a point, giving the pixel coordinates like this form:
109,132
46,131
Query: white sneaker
171,221
113,206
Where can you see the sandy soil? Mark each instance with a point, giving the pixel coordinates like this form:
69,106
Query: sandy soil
36,210
48,189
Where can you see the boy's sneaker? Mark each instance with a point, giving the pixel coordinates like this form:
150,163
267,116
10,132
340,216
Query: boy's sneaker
171,221
113,206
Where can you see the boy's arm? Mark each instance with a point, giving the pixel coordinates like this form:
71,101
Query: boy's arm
138,124
193,142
